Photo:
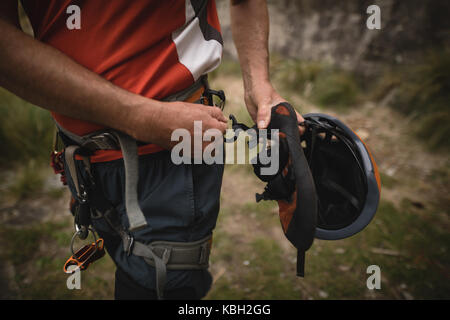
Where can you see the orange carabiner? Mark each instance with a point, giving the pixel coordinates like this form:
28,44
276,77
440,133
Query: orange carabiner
85,256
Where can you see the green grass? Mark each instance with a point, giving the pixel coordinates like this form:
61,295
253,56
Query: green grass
228,66
335,88
260,266
260,271
26,131
415,243
322,83
388,181
29,181
422,92
38,253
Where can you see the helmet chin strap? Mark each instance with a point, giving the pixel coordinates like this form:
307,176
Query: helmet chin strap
292,186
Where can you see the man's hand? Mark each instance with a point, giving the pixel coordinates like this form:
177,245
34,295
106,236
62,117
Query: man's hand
259,102
157,126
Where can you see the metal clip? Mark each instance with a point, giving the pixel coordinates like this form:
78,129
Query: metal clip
208,96
129,245
221,95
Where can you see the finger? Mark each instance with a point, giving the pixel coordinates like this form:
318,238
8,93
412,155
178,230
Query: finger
216,113
263,116
222,127
216,124
300,119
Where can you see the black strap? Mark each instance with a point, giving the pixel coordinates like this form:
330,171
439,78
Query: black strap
300,263
279,188
306,216
302,227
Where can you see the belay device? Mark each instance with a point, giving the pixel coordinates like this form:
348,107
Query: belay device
327,185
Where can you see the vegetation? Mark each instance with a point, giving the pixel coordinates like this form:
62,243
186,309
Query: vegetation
422,92
28,181
38,252
26,131
323,84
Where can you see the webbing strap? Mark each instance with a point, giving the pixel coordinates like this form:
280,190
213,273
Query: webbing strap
142,250
70,160
131,161
164,255
300,263
129,149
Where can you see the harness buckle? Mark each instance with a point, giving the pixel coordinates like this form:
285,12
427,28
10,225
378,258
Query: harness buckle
101,141
129,245
205,250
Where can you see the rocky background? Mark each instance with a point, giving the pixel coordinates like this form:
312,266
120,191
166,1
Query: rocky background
335,31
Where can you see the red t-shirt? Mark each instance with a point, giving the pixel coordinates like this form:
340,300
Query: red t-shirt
149,47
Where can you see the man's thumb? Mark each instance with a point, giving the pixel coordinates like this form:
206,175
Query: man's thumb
263,117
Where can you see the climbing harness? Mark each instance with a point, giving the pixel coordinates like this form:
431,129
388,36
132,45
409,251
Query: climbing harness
90,202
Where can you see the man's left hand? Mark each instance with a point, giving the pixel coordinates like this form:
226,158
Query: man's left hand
260,100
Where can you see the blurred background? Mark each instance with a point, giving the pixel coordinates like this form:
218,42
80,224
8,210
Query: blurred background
390,85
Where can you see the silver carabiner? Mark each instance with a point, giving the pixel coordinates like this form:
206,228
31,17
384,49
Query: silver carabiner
77,233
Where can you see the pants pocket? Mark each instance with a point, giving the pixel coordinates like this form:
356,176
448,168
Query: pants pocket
207,183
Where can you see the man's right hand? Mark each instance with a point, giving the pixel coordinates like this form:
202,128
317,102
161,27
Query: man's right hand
155,125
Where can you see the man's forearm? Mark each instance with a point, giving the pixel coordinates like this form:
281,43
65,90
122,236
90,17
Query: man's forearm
48,78
250,27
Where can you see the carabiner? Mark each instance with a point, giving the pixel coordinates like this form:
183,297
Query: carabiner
84,256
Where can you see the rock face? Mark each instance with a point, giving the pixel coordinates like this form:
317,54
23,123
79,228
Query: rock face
336,31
